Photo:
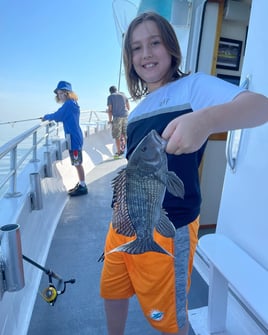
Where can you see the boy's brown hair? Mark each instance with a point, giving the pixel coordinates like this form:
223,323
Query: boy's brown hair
136,86
69,96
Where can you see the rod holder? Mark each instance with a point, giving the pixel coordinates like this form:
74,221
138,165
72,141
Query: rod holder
58,149
12,273
48,164
36,191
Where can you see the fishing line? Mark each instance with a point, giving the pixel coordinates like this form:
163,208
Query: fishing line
16,121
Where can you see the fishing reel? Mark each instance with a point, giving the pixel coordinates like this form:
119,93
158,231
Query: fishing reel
50,293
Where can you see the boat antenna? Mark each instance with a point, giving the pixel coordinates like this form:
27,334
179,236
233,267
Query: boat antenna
120,66
123,12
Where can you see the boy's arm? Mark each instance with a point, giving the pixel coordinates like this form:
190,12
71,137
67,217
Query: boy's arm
189,132
110,113
58,116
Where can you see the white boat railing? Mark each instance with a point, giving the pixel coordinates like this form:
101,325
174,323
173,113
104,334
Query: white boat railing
93,121
10,150
22,149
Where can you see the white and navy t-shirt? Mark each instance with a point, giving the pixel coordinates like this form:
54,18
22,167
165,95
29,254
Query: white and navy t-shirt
156,110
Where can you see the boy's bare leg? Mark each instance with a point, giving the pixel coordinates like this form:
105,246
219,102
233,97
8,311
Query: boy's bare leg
116,315
80,172
118,144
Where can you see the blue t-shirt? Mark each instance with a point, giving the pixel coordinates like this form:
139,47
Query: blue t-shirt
69,114
156,110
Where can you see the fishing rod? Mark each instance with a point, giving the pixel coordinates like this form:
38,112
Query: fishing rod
16,121
50,293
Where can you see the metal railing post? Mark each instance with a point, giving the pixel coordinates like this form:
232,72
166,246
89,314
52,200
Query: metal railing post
47,135
36,191
48,164
13,171
34,159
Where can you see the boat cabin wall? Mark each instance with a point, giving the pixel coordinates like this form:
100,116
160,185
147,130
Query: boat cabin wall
212,36
216,46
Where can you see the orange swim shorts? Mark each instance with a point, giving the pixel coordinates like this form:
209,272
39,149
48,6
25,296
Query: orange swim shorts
160,282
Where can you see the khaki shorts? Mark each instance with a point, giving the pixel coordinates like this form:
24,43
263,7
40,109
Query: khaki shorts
119,127
161,282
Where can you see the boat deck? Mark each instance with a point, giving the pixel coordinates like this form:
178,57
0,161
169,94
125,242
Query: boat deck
77,244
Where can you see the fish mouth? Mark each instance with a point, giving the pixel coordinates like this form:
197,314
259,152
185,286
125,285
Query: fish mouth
162,142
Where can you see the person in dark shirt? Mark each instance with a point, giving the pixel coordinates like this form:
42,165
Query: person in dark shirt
118,107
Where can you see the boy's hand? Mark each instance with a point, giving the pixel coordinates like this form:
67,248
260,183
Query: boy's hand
186,134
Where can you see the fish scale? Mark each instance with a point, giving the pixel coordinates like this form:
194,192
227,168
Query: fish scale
145,199
138,194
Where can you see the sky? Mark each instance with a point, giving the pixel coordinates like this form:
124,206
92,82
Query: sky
43,42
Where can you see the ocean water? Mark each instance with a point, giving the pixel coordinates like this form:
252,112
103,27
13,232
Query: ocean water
9,131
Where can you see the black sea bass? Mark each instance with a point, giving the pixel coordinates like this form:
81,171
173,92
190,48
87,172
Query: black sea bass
139,191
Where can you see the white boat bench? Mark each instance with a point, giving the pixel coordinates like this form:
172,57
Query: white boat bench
230,266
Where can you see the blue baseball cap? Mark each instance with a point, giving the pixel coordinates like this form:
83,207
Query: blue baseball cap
63,85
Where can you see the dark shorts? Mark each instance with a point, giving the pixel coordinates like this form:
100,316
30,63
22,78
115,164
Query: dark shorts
119,127
76,157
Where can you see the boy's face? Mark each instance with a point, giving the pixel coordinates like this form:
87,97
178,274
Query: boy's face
150,57
61,95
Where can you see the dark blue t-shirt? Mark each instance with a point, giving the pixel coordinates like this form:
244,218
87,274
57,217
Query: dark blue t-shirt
118,102
186,95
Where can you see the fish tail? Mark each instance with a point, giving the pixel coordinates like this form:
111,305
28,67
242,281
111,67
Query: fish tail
139,247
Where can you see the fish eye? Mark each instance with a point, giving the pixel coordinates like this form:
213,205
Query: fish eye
143,149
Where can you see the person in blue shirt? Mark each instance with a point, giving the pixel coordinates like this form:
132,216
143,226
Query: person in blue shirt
69,114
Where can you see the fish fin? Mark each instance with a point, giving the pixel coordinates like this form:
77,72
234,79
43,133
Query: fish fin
165,227
120,219
140,246
117,183
101,258
174,184
123,228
